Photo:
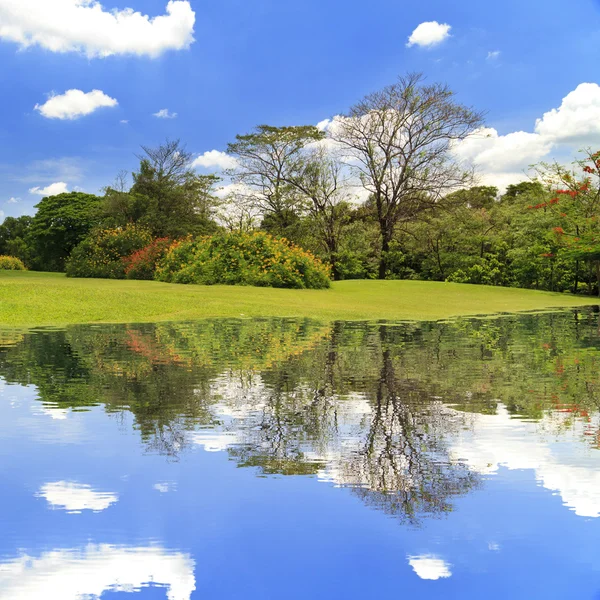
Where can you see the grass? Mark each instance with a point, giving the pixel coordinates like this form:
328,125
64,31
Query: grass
51,299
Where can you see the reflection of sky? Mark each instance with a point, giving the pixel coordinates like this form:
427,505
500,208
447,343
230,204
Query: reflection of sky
562,462
78,574
233,535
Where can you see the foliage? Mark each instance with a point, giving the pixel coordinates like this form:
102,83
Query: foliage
14,237
242,259
167,197
61,223
142,263
101,254
11,263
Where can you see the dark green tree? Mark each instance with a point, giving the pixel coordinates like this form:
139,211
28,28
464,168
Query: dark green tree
60,223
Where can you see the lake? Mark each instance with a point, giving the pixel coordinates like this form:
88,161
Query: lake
282,458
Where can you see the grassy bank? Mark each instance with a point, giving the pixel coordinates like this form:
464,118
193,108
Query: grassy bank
32,299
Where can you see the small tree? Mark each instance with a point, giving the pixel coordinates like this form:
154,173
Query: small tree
576,208
399,142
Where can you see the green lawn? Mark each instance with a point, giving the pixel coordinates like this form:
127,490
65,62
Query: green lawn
32,299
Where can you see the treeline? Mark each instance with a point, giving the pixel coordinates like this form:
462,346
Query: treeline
377,193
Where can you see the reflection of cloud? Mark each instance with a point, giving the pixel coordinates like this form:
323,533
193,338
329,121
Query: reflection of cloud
429,566
56,413
75,497
567,468
215,441
88,573
165,486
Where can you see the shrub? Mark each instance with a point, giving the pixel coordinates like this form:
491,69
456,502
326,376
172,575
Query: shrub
101,253
242,259
142,263
11,263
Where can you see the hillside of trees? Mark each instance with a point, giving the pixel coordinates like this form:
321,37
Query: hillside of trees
376,193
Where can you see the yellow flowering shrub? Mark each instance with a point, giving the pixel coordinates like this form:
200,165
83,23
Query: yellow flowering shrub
242,259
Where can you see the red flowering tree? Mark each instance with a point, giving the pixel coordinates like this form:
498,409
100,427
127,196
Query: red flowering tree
576,208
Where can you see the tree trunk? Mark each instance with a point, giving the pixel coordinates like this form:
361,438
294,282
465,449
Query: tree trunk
598,275
383,262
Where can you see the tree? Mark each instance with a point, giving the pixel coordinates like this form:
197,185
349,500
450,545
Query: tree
60,223
576,207
13,235
265,159
168,196
399,143
318,175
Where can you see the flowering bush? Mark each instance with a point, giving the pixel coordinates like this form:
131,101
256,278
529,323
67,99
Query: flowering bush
142,263
101,253
11,263
242,259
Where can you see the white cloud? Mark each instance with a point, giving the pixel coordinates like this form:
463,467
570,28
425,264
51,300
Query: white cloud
493,54
60,187
429,34
164,113
75,497
74,104
494,153
73,574
123,121
429,566
13,200
577,120
505,159
215,158
86,26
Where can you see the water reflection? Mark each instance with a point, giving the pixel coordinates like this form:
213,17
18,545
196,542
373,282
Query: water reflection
119,447
407,416
73,574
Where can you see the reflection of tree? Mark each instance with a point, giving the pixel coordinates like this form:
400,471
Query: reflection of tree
365,406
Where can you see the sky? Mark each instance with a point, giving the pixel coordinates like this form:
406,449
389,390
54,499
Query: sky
85,83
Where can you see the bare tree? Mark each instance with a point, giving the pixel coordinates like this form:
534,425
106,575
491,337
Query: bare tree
265,157
399,143
320,177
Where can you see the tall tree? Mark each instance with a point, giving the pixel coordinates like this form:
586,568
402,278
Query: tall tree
167,195
60,223
265,158
399,143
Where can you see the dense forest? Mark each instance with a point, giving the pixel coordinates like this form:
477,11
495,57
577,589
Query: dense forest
377,193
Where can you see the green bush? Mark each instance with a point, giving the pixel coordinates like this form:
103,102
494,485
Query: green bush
101,253
11,263
242,259
142,263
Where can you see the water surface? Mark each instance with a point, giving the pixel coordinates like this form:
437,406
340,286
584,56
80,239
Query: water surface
281,458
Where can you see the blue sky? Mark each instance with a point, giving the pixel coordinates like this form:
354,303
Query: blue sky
225,67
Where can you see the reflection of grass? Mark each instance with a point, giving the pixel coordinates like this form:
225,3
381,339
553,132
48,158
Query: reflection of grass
29,298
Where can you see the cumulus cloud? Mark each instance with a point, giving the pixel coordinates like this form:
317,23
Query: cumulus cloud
75,497
60,187
429,34
73,574
74,104
13,200
505,159
85,26
215,159
493,54
577,120
429,566
164,113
